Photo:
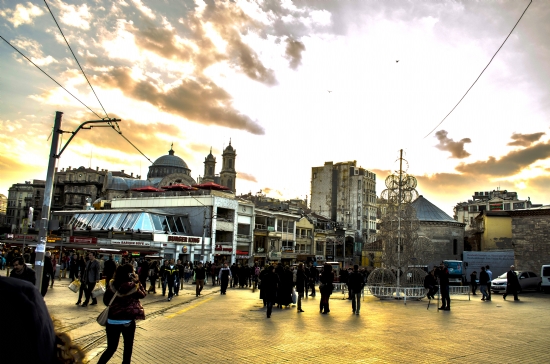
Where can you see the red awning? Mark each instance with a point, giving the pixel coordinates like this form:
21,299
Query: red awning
211,186
179,187
147,189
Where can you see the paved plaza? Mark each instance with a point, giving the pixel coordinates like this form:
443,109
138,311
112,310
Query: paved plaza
217,328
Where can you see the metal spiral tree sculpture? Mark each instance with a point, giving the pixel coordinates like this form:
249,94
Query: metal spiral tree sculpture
401,245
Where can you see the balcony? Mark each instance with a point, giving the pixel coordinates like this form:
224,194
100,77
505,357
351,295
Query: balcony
224,225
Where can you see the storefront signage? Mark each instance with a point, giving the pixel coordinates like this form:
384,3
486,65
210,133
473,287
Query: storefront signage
21,237
275,255
184,239
53,239
131,242
287,249
243,257
80,240
260,250
223,248
184,250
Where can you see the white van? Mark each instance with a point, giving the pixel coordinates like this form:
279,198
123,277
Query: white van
545,276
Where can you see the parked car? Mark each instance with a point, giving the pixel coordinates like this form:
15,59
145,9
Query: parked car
545,276
527,281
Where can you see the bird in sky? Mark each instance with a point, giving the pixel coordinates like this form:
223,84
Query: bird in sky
397,61
329,91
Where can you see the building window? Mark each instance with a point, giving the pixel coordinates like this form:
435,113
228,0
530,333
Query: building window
455,247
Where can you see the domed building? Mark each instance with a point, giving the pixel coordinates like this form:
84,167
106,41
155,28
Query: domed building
170,169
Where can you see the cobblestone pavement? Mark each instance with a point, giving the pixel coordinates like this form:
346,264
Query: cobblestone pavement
221,328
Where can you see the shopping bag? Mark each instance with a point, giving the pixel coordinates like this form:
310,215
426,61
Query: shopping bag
99,289
75,285
294,298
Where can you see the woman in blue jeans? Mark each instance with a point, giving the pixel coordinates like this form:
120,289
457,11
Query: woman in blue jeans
124,311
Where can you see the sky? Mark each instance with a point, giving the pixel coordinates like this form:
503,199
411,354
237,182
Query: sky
292,85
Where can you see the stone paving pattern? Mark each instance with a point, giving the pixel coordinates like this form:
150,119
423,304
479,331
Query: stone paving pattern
217,328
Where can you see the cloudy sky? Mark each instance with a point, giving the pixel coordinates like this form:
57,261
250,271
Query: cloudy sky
292,83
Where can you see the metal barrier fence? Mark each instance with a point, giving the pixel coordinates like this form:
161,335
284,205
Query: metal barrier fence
392,292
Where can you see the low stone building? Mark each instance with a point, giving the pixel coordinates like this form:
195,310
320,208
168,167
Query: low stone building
445,233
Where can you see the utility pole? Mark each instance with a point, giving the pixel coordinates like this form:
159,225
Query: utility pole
399,198
44,221
43,224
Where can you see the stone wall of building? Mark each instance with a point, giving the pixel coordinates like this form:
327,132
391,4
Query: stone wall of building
443,236
531,240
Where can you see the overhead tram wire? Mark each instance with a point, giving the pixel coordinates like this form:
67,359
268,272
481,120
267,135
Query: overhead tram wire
74,56
478,77
113,124
50,77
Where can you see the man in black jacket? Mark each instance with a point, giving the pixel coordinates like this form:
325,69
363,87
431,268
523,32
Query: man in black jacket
21,271
171,274
355,285
109,269
443,275
163,276
200,276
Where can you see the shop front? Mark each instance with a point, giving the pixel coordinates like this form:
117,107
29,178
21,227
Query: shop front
222,254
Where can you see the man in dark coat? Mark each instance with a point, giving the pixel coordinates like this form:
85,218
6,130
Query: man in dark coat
21,271
47,273
270,284
200,276
355,284
443,275
109,269
512,283
224,276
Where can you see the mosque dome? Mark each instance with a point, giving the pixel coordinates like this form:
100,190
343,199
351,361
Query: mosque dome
168,164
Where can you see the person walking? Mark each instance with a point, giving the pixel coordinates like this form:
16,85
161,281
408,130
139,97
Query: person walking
261,277
224,277
163,276
512,284
443,275
47,273
153,275
81,267
355,284
483,279
200,276
171,274
301,284
325,287
123,312
473,282
270,285
73,268
488,270
91,277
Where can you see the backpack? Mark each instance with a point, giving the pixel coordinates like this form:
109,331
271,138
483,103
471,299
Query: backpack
257,271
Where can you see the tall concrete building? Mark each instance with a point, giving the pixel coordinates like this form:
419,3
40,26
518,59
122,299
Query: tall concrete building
346,194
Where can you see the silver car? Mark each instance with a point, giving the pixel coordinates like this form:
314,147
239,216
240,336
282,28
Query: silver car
527,281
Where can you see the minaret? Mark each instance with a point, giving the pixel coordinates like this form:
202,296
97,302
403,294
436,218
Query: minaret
209,168
228,174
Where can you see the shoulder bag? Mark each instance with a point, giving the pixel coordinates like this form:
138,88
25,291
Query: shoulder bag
103,316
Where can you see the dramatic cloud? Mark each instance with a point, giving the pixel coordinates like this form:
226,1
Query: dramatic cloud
22,14
272,192
508,165
199,100
525,140
246,177
449,145
294,49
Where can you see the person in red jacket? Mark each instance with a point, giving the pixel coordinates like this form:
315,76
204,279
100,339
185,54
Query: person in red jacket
123,312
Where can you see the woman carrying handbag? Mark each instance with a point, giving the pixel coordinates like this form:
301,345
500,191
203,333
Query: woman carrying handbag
124,310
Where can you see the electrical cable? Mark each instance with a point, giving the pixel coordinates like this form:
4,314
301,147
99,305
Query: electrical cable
50,77
459,101
74,56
